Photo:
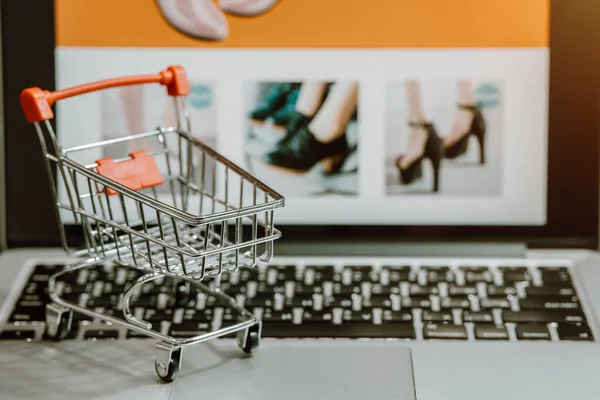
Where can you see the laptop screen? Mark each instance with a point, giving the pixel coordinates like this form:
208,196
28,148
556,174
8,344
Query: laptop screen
400,113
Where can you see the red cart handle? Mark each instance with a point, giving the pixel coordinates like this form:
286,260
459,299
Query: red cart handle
36,103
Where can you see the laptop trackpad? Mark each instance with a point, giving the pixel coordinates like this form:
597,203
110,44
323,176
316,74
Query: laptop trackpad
297,370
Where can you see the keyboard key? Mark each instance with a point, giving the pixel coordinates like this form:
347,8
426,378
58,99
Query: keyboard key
77,317
555,275
41,273
444,331
28,314
145,301
515,274
338,288
271,315
543,316
157,316
378,301
545,304
550,291
495,302
552,270
440,268
113,288
357,316
18,334
455,302
362,273
455,290
399,274
345,330
230,317
36,288
305,301
477,316
101,334
110,300
501,291
533,332
285,272
317,316
263,288
136,335
110,312
47,268
249,274
188,329
477,274
72,298
302,289
183,294
441,274
379,289
26,302
574,332
260,301
232,289
336,301
491,332
437,316
190,314
77,288
416,302
418,290
323,273
389,316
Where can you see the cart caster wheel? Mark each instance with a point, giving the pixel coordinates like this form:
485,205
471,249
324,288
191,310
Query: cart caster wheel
252,343
168,361
58,322
249,340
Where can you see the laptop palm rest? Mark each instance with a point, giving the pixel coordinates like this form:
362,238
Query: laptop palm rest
287,369
299,370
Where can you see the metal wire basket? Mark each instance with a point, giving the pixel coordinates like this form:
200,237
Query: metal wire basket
203,217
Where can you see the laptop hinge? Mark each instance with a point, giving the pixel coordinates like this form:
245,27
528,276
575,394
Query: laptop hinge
417,249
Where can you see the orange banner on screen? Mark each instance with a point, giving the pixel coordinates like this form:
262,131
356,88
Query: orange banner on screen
303,23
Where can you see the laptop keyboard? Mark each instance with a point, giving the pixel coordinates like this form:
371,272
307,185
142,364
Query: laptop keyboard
415,302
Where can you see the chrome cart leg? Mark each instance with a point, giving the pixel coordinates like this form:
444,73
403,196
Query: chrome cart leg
168,361
249,339
58,321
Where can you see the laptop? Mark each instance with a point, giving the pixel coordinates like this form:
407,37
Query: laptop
469,277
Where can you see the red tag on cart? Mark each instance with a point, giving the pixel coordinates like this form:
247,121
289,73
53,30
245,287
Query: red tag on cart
140,172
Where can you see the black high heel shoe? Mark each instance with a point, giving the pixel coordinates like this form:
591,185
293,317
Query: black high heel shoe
434,151
300,151
476,129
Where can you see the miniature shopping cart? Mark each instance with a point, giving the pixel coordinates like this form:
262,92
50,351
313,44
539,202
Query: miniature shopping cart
160,202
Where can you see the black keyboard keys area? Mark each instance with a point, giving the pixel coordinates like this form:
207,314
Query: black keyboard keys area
355,301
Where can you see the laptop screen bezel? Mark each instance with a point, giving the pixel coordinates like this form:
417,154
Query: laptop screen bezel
28,52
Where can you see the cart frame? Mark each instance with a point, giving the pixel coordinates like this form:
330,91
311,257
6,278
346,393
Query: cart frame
133,216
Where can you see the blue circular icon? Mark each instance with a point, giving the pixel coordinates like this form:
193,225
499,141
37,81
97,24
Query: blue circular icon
200,96
487,95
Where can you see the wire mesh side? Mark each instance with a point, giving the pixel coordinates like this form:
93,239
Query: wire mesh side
141,229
